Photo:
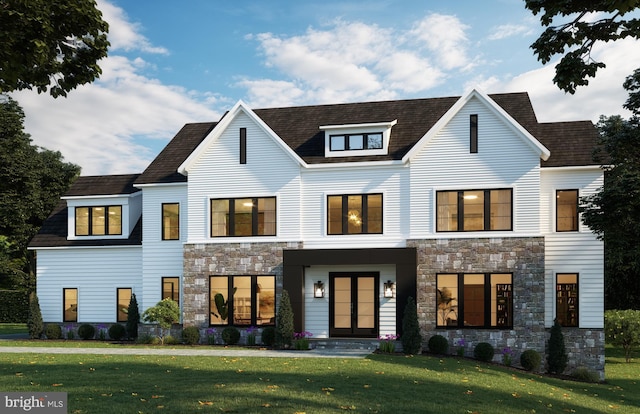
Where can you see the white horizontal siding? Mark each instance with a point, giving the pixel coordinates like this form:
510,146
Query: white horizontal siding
269,171
578,253
316,318
95,272
391,181
161,258
504,160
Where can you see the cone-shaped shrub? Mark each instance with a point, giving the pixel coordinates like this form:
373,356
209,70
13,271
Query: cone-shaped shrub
284,322
557,358
34,323
411,338
133,318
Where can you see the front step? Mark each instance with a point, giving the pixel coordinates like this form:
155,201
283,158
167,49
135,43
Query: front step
368,344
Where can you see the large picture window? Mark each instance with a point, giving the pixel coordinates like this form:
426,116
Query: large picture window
123,299
98,221
567,299
354,214
243,217
70,305
242,300
171,289
171,221
474,300
474,210
567,210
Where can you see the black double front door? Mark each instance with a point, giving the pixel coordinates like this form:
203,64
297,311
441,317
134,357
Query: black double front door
353,304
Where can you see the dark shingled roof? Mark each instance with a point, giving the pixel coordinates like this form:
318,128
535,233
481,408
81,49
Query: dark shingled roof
53,232
571,143
164,168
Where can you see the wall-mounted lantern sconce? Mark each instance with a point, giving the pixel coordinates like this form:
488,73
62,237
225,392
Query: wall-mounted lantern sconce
318,289
389,288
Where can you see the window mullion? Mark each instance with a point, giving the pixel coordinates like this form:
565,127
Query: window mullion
487,210
230,311
487,300
460,300
345,215
232,217
254,216
365,214
460,210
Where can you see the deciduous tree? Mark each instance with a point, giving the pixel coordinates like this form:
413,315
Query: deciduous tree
573,27
50,45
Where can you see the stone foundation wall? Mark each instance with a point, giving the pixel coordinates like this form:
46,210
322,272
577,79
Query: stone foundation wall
585,348
204,260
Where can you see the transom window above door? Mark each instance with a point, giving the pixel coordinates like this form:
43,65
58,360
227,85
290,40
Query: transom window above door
354,214
474,210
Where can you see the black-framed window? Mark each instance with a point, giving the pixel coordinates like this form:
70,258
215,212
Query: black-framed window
567,299
354,214
123,299
98,220
242,300
473,133
243,217
170,221
70,305
567,210
474,300
351,142
171,288
474,210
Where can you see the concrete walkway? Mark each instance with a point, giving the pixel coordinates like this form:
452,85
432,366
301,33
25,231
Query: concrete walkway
183,351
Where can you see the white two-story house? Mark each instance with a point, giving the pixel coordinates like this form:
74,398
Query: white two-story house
467,204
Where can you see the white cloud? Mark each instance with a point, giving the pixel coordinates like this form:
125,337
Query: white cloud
509,30
444,36
103,126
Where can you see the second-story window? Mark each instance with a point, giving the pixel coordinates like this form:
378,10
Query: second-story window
171,221
350,142
474,210
243,217
354,214
98,220
567,210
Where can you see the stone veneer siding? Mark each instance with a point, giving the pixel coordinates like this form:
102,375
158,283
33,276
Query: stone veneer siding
524,258
204,260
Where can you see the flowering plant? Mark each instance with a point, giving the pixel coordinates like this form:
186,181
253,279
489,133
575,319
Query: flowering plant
69,331
507,356
251,335
301,340
211,336
102,331
460,344
387,343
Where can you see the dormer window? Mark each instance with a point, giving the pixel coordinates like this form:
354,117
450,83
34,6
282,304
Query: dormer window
98,220
353,140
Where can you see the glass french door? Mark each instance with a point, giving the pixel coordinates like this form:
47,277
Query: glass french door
353,304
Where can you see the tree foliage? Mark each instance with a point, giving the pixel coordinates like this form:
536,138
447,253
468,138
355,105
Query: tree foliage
133,317
284,321
622,328
50,45
557,358
411,337
35,323
576,33
32,179
165,313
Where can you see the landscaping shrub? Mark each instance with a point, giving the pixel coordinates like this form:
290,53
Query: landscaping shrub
147,339
53,331
170,340
230,335
14,306
622,328
117,332
530,360
34,322
165,313
284,322
438,344
133,318
483,352
191,335
557,358
269,335
411,338
86,331
585,375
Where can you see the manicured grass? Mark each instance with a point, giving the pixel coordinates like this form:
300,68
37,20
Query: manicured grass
377,384
13,328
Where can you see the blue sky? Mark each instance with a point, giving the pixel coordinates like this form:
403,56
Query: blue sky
176,62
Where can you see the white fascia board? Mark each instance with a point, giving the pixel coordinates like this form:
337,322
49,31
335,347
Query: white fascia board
128,246
574,168
223,125
155,185
388,124
102,196
354,164
494,107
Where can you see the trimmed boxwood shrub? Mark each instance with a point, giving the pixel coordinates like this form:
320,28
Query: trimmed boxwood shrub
438,344
53,331
483,352
117,332
269,335
530,360
191,335
230,335
86,331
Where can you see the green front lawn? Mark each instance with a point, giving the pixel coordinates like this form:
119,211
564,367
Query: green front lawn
377,384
